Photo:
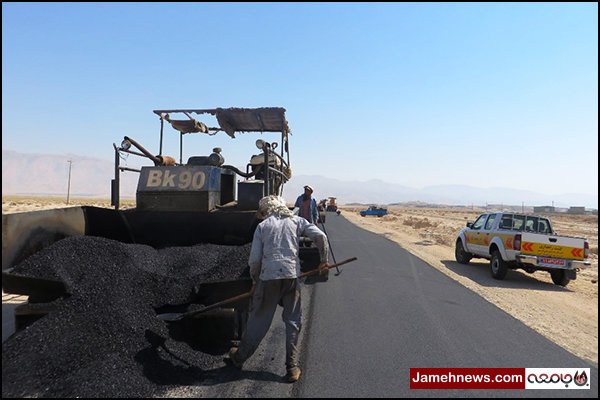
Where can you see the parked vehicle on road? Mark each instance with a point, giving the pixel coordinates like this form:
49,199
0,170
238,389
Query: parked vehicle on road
528,242
375,211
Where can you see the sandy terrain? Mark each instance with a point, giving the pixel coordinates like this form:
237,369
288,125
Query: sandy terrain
15,204
568,316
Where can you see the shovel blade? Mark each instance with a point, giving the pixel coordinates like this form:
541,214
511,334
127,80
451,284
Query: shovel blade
170,317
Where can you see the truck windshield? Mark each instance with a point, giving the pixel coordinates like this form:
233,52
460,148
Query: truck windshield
480,222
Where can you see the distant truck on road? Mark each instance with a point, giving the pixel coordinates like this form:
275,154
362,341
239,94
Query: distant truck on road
528,242
374,210
332,204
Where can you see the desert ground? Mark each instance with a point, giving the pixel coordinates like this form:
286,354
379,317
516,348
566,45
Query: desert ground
15,203
566,315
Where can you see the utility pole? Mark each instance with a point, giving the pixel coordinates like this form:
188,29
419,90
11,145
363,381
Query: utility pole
69,181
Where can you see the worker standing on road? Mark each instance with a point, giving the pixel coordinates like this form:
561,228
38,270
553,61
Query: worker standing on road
307,205
274,268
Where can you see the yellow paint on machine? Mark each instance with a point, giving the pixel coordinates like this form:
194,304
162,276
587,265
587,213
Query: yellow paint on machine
549,250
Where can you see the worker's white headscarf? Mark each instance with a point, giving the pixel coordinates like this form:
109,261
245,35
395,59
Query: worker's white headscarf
269,205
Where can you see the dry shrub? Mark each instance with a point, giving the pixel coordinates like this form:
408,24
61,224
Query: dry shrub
590,219
441,240
434,237
419,223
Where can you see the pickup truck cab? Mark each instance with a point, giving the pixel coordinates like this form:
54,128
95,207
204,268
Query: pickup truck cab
374,210
528,242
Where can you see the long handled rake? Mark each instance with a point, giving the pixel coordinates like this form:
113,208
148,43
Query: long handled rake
330,248
172,317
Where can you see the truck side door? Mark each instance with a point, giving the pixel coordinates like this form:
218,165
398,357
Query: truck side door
475,236
487,233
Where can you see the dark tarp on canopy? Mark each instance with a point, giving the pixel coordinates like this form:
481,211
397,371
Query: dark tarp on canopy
232,120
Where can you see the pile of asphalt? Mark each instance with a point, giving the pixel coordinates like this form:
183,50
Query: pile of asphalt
104,339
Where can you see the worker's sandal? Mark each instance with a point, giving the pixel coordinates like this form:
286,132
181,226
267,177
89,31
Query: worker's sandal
233,358
293,374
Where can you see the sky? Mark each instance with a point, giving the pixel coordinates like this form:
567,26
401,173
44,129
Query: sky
417,94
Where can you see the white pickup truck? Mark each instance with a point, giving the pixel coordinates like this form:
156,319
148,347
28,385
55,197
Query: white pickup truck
512,241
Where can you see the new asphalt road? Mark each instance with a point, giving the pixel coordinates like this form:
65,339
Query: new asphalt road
389,311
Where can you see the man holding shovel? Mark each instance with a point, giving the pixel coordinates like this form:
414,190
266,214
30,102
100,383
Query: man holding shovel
274,268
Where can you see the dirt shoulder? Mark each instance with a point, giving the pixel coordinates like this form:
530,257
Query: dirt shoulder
566,315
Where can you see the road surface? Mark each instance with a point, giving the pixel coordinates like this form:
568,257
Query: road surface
390,311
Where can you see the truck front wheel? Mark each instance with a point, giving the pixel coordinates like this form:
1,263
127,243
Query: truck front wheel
460,254
498,266
560,278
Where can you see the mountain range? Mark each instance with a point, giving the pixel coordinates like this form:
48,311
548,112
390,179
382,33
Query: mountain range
48,174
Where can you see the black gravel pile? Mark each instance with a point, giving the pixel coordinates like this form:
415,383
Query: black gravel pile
105,339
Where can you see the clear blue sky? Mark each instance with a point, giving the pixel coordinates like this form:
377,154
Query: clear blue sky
416,94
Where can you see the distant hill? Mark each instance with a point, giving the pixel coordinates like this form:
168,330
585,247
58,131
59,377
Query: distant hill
45,174
379,192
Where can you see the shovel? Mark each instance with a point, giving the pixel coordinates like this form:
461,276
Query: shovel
172,317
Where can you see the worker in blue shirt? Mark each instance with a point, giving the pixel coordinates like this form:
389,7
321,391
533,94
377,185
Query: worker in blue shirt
307,206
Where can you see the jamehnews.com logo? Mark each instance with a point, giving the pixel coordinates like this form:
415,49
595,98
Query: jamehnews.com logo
557,378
